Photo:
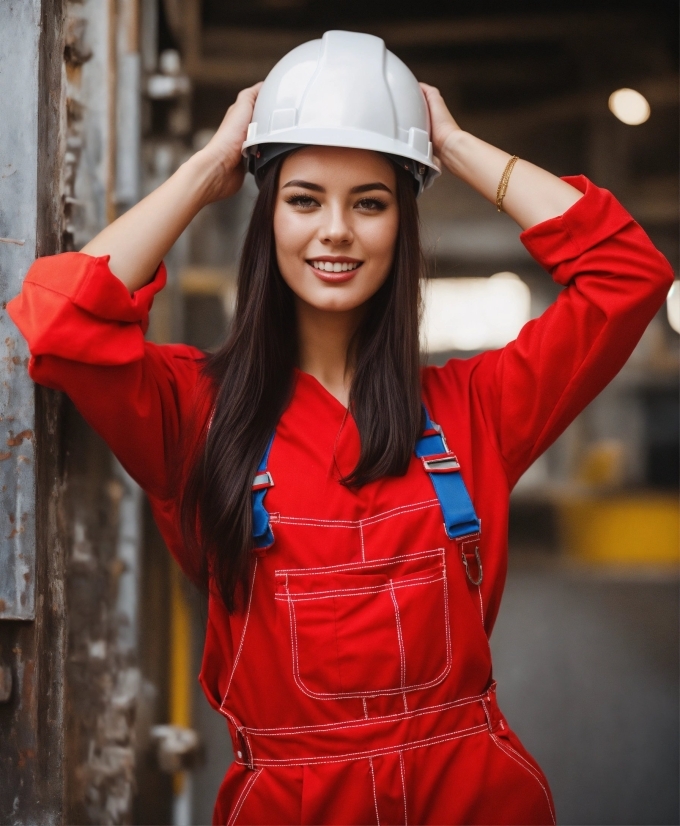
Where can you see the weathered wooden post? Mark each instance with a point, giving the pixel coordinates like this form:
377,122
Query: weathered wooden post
32,605
69,517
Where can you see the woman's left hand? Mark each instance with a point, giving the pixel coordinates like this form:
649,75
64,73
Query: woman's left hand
533,195
442,124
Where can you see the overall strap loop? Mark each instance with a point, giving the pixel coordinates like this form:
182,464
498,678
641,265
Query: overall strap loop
443,468
263,536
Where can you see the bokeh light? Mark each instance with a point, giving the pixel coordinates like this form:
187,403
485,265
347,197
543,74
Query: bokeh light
473,313
629,106
673,306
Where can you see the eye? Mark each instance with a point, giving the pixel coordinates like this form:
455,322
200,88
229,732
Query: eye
302,201
371,205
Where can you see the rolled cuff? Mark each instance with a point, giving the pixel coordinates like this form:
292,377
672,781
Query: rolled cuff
72,306
594,218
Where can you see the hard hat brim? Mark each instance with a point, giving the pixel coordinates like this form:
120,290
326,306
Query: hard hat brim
347,139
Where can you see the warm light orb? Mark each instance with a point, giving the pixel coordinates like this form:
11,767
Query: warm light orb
629,106
473,313
673,306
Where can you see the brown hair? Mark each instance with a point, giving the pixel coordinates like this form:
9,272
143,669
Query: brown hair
252,374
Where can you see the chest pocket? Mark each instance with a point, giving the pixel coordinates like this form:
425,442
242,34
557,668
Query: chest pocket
368,629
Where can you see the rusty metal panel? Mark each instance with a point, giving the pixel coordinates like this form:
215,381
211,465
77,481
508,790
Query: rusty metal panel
19,66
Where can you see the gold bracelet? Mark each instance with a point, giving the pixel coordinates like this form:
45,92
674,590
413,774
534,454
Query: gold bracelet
503,183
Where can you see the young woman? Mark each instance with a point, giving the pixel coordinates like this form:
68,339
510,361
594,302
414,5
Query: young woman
352,590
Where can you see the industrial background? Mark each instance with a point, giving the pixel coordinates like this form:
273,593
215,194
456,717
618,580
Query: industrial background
101,717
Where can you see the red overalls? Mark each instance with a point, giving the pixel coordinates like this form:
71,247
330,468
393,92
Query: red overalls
357,684
361,689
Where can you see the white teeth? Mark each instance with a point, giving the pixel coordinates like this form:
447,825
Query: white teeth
333,266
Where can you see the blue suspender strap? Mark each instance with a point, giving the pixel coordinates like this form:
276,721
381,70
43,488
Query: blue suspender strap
460,519
443,469
263,536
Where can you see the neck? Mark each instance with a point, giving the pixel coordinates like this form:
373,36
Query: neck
323,339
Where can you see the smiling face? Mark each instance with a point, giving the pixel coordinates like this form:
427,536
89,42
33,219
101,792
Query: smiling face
335,224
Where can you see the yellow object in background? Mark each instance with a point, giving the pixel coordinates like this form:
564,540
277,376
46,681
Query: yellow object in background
622,529
180,661
603,464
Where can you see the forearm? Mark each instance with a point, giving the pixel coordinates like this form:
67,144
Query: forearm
139,240
533,195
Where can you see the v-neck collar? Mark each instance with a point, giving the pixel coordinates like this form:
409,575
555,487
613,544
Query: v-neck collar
313,381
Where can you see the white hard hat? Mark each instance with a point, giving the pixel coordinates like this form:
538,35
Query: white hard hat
345,90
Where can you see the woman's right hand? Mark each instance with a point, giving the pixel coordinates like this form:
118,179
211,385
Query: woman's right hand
223,152
138,240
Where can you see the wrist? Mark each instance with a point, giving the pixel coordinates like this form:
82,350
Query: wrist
202,177
454,150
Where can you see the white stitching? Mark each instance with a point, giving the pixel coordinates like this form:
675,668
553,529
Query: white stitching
304,522
363,700
366,589
513,754
400,637
352,592
417,506
375,796
360,723
344,758
352,523
403,697
382,692
523,765
363,549
243,634
403,785
361,566
240,730
242,797
481,604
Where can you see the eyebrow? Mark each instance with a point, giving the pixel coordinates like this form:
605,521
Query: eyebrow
316,188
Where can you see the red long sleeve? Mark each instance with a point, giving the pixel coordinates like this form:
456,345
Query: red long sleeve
86,337
501,410
616,280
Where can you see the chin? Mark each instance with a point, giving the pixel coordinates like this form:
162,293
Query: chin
335,305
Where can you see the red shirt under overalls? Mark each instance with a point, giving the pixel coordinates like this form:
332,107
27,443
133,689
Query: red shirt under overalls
357,684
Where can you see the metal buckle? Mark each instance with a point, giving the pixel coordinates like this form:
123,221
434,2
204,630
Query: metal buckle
439,430
441,464
263,480
463,555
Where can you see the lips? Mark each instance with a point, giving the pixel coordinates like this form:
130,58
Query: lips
334,270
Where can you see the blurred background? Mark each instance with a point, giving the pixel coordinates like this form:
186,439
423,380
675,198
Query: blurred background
586,644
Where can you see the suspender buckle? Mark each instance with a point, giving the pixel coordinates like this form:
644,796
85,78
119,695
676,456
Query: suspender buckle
440,430
472,561
263,480
469,559
441,463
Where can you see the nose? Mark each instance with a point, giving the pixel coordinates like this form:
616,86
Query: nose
336,229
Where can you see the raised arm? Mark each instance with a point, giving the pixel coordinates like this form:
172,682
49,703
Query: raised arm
614,278
533,194
139,240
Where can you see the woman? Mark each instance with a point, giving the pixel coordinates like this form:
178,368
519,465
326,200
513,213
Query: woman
352,591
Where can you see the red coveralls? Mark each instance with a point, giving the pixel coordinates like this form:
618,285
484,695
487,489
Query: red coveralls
357,684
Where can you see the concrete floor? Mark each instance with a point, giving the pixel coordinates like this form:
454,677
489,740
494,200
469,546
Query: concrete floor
587,668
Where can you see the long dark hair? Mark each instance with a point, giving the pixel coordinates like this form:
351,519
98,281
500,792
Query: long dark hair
252,375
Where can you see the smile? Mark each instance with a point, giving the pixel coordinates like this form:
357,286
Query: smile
335,266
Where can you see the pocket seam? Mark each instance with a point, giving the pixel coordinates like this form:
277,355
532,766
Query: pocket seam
243,796
384,692
360,566
400,637
369,589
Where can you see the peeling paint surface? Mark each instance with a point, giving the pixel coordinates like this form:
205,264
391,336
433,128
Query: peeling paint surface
19,58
